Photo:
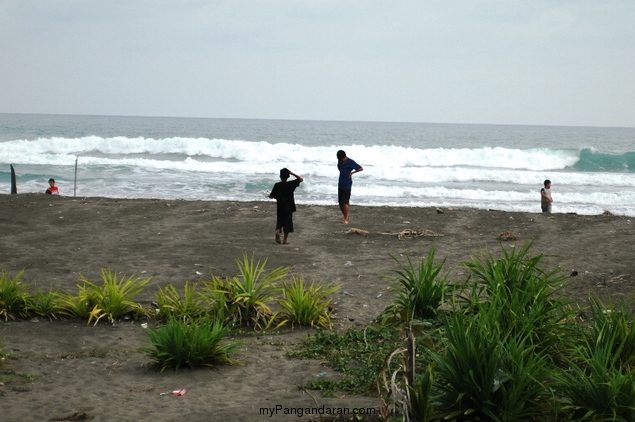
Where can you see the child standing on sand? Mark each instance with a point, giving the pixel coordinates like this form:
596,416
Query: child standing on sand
282,192
545,197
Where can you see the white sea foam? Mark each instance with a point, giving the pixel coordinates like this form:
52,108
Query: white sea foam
198,167
265,152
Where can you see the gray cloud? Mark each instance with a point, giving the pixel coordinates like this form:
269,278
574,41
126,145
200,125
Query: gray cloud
527,62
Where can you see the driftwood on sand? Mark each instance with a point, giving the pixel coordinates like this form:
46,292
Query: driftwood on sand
357,231
407,233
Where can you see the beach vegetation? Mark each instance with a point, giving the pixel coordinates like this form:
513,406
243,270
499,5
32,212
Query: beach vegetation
400,390
420,290
306,304
615,325
44,304
514,296
74,306
420,406
181,343
509,347
504,340
508,344
488,376
218,296
14,296
597,388
112,298
357,355
599,382
253,290
171,304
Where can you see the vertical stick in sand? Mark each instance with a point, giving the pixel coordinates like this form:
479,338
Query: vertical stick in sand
14,185
75,188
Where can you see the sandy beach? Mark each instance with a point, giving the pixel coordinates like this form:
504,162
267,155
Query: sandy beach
98,370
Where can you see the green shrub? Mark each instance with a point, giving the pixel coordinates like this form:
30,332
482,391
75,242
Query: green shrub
14,296
171,304
524,297
487,376
420,290
219,299
253,290
44,304
198,343
112,298
597,386
75,306
617,323
306,304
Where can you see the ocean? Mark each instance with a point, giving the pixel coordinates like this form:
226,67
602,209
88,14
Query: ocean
501,167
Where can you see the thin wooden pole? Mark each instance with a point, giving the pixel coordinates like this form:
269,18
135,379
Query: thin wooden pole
75,188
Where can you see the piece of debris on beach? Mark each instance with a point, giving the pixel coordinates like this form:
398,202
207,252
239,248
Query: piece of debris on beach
357,231
608,213
507,235
77,416
413,233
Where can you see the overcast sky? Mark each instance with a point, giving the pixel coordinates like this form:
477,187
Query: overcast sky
500,61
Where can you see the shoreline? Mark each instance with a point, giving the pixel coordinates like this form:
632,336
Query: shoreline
54,239
331,204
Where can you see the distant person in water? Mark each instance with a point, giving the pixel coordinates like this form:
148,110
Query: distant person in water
347,167
52,189
545,197
282,192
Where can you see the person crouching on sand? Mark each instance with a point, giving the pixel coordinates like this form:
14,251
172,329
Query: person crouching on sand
52,189
282,192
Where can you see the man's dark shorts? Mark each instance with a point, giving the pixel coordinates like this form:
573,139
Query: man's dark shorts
343,196
285,223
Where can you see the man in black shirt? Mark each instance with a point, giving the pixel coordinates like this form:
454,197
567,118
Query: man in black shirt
282,192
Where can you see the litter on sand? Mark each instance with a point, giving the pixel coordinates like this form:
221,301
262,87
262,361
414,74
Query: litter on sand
180,392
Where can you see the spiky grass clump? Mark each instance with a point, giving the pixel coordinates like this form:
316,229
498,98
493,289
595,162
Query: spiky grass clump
520,297
253,290
45,304
180,343
14,296
113,298
597,389
616,322
172,304
600,381
218,295
499,361
243,299
488,376
306,304
421,290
